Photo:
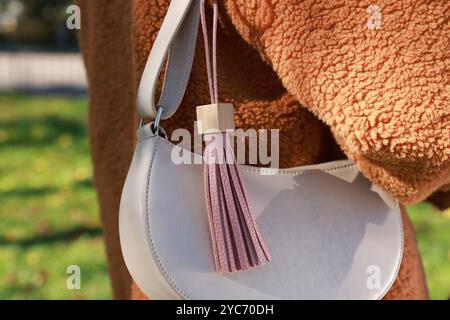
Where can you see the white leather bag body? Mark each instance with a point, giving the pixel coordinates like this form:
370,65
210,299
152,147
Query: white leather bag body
332,234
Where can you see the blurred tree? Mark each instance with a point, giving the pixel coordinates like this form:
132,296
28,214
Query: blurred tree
38,23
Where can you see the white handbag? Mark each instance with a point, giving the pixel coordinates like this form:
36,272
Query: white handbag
331,233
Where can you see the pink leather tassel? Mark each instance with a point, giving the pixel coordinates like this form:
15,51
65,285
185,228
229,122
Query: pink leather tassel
237,243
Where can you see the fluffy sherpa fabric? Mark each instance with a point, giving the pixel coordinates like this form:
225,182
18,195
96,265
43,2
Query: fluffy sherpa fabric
312,69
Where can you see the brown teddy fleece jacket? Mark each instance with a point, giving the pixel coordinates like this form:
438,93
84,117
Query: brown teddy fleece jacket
313,69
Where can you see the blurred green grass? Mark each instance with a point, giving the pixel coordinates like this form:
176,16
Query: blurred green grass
48,208
433,236
49,213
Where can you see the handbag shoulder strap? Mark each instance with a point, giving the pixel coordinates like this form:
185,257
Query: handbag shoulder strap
176,40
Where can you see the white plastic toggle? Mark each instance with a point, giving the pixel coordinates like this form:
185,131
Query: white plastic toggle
215,118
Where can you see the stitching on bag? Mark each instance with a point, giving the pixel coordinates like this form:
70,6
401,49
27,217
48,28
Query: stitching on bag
397,209
299,171
400,258
287,172
161,267
312,170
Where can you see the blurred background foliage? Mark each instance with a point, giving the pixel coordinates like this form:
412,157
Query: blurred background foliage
35,23
48,209
49,215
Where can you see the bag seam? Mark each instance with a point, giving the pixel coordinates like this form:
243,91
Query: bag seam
250,169
154,251
400,256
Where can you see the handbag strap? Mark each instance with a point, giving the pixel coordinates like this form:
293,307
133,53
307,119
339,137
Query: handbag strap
176,40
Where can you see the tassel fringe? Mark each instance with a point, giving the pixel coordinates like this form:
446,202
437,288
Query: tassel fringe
236,240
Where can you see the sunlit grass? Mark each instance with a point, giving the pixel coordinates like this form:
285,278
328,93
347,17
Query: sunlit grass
48,208
433,236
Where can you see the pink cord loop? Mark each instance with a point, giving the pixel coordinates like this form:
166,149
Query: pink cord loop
212,72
